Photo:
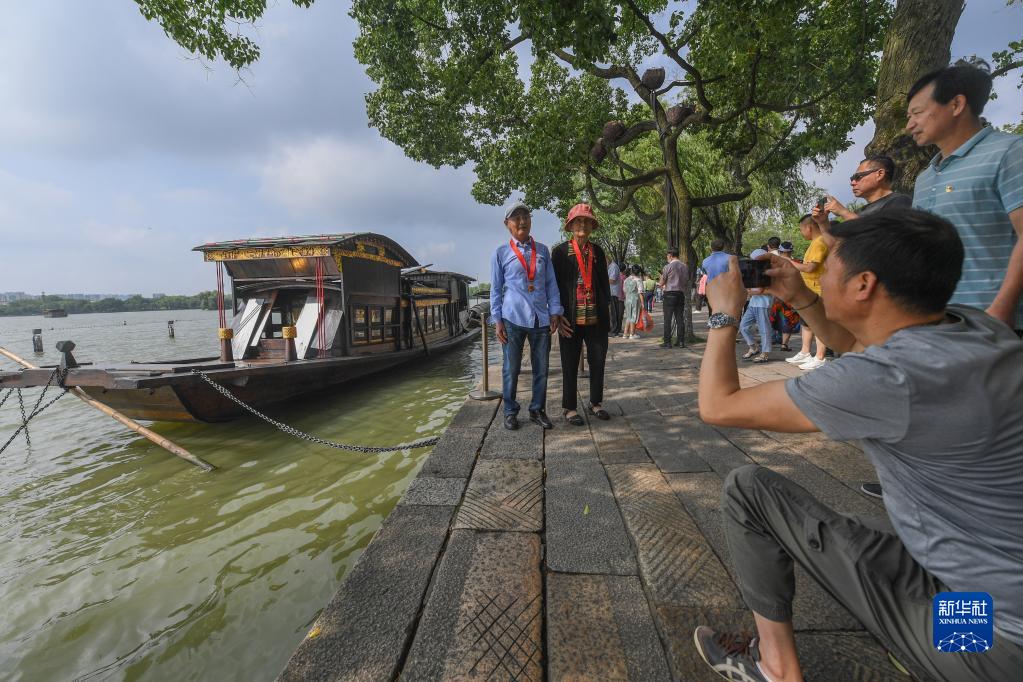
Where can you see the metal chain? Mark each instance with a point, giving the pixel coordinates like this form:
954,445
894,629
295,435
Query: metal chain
36,410
292,431
7,395
24,420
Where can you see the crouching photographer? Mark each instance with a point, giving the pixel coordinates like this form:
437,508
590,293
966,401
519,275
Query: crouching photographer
933,392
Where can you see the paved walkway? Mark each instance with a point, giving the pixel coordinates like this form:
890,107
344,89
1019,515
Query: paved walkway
584,553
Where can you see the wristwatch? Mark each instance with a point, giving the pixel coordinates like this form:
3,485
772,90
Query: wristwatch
719,320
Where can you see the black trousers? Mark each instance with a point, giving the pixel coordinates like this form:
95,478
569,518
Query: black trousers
596,355
617,307
674,309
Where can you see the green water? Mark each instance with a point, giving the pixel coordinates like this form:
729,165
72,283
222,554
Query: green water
119,561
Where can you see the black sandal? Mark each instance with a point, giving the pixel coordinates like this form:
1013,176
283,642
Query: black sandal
599,412
575,420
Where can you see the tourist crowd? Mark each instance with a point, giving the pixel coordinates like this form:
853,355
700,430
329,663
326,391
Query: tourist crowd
919,299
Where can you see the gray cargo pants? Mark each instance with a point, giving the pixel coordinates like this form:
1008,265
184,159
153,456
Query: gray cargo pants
772,522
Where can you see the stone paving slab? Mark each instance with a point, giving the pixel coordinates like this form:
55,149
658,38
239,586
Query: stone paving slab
476,413
677,624
524,443
503,495
812,607
434,491
830,491
663,442
845,656
569,443
484,617
677,563
629,518
455,453
364,630
584,529
600,628
844,461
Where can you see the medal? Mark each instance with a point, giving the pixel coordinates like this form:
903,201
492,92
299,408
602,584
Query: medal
531,268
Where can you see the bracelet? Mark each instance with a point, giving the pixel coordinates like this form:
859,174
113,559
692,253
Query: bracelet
816,298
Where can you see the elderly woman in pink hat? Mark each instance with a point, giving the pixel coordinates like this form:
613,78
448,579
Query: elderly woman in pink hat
580,266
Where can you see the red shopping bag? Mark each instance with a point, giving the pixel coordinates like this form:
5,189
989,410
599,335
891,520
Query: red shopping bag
645,322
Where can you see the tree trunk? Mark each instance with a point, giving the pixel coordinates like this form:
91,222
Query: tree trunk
919,40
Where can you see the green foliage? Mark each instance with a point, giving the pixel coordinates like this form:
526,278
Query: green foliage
210,28
204,300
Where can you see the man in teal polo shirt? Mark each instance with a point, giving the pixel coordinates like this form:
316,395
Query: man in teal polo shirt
975,182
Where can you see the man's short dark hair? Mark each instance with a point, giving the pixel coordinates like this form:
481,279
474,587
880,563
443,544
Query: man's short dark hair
885,162
970,79
717,245
774,242
673,253
806,216
916,256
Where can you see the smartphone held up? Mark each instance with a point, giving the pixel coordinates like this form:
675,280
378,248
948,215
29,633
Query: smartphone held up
754,273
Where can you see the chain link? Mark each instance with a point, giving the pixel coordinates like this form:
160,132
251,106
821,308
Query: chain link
292,431
36,410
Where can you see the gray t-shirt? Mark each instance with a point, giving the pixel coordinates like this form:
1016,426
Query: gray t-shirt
887,202
939,410
675,276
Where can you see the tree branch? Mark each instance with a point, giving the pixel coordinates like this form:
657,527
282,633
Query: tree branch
623,201
686,84
636,181
673,53
609,73
632,132
774,148
1002,70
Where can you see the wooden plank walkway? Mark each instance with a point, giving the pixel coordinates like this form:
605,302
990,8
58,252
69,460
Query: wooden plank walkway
582,553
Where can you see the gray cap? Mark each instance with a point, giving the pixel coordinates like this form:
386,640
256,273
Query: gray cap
514,207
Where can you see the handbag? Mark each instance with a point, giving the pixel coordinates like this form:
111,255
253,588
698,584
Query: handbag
645,322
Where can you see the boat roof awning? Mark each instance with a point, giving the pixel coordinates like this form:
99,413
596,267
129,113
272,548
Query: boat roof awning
364,244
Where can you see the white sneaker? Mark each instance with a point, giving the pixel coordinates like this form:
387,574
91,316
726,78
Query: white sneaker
799,358
812,363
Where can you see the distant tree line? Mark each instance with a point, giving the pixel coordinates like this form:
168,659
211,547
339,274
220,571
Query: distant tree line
205,300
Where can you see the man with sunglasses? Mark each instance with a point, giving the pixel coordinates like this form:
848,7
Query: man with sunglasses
872,182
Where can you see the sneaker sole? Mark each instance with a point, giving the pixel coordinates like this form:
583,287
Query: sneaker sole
726,670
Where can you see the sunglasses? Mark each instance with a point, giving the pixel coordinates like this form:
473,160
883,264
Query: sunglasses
856,177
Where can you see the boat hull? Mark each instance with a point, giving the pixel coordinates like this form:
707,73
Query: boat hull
187,398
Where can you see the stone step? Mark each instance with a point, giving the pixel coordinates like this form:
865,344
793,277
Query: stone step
599,627
584,529
364,630
483,618
503,495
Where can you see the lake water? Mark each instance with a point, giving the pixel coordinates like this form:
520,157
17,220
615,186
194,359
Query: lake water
121,561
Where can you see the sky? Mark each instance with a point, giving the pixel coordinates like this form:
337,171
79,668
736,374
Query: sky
119,152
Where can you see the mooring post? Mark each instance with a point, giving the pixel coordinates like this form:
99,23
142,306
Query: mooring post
226,353
289,334
485,393
170,329
37,341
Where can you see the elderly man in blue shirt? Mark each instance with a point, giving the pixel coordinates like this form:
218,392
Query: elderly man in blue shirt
524,303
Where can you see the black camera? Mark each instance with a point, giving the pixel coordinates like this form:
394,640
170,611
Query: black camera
754,273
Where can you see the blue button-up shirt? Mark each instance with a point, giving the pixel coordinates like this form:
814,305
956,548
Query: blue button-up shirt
510,298
975,188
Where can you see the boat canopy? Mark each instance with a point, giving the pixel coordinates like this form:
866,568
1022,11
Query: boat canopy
287,257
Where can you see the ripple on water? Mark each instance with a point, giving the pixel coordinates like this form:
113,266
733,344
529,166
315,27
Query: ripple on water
120,561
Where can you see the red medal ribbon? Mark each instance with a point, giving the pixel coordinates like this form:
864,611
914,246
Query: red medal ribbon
587,270
531,268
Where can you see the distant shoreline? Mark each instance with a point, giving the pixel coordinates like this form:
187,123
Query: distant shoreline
205,300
